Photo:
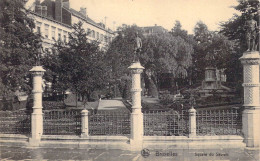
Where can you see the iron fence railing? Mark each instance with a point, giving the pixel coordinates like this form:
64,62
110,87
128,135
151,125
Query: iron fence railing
15,122
166,123
109,123
60,122
219,122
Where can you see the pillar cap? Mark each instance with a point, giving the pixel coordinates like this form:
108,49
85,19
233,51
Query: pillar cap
136,65
37,69
84,111
251,55
192,109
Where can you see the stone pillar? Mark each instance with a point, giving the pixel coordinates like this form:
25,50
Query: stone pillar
37,115
192,122
136,139
251,113
84,123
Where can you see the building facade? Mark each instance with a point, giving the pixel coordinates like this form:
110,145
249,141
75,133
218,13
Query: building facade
54,20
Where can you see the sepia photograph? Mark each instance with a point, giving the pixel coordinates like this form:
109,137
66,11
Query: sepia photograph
130,80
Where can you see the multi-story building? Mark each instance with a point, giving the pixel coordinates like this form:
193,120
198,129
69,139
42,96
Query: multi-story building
54,20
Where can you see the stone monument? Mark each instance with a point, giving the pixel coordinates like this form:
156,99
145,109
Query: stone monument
136,138
137,47
251,113
251,31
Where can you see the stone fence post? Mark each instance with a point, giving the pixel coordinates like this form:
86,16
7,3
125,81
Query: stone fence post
136,139
251,113
84,123
192,122
37,115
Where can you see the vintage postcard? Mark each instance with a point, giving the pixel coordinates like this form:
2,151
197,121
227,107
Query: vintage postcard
137,80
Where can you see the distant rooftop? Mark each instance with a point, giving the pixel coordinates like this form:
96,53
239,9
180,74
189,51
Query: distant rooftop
154,29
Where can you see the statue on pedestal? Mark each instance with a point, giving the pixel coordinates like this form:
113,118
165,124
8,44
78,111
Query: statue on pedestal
137,47
251,31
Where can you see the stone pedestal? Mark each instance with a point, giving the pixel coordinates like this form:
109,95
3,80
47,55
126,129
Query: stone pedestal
37,115
192,122
251,114
136,139
84,123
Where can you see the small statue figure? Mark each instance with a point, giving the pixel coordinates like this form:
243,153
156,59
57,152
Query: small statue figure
137,48
192,100
251,27
37,57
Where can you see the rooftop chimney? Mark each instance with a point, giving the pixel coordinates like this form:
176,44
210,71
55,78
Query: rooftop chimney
66,4
58,10
83,11
37,2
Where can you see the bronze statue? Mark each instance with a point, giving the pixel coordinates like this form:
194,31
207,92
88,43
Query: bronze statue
137,48
251,27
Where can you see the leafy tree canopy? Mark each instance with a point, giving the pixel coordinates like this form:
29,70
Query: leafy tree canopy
19,46
234,29
211,49
77,65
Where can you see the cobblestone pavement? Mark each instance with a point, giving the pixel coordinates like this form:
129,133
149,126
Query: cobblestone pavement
25,153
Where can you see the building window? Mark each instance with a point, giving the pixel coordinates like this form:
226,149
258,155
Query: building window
93,34
97,35
38,29
59,34
53,33
106,39
64,36
88,32
101,37
46,31
44,11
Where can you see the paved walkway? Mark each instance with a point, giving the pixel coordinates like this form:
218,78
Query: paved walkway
114,104
24,153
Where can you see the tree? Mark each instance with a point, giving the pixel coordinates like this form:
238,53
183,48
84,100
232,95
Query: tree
177,31
235,31
78,65
212,49
165,53
161,53
19,47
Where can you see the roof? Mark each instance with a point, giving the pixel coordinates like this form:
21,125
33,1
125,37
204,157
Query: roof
89,20
156,29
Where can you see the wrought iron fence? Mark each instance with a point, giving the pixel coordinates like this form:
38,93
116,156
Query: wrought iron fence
166,123
109,123
60,122
15,122
219,122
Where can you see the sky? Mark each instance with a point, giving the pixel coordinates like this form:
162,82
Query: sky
160,12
